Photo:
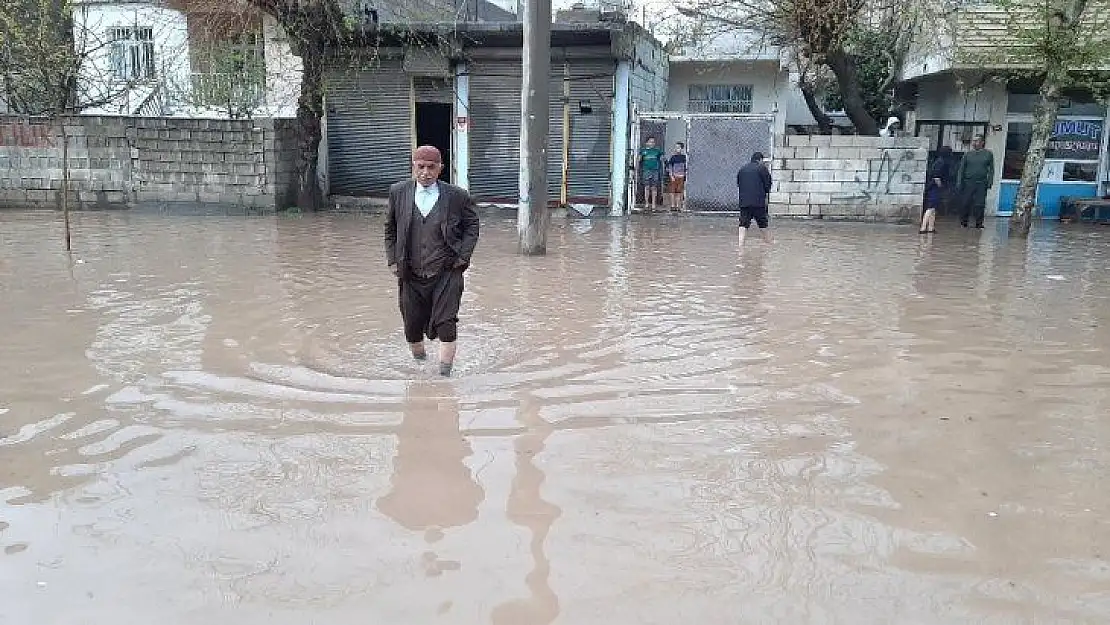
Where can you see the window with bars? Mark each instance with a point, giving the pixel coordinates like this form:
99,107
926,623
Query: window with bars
132,52
720,99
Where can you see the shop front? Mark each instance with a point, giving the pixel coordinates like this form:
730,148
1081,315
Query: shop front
1075,161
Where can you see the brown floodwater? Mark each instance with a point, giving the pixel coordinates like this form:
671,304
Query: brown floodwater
212,419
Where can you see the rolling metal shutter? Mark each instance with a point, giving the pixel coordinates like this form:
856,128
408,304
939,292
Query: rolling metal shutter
369,128
495,89
495,130
428,89
591,134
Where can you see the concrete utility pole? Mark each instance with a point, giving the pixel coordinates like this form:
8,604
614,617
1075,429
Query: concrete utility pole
533,216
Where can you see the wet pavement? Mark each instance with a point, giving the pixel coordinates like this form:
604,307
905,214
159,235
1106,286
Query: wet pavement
214,420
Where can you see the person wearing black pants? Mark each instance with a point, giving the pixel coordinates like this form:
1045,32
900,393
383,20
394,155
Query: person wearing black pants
974,178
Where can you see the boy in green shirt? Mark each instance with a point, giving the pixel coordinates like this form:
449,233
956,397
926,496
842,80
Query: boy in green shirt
651,170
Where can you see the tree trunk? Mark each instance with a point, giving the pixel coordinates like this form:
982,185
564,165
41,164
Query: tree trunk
824,122
1044,118
310,109
1061,28
843,67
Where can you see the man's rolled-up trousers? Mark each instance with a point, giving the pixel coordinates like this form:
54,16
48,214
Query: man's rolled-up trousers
430,306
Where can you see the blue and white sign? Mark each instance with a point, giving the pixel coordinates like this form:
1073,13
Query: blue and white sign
1076,140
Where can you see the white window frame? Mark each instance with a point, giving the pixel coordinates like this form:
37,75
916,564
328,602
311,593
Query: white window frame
132,53
720,98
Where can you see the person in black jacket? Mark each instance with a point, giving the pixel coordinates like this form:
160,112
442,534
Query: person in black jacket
753,182
937,186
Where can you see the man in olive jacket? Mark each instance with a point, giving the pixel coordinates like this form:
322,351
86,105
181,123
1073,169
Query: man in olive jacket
974,177
431,230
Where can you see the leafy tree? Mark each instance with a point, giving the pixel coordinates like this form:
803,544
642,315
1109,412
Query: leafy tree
313,27
38,62
876,71
233,80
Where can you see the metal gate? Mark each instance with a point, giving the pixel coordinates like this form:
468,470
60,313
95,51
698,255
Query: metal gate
717,146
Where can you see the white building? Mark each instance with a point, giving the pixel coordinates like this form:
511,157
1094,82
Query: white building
189,58
954,100
737,73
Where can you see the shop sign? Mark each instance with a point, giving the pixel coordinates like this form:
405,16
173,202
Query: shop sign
1076,140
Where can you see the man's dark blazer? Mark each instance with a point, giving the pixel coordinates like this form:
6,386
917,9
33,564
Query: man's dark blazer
460,223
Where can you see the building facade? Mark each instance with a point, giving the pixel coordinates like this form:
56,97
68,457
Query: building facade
951,102
460,90
184,58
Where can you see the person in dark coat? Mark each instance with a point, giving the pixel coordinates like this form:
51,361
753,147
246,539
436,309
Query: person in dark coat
937,188
753,182
431,231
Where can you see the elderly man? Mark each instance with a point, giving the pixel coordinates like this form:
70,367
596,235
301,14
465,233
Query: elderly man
430,233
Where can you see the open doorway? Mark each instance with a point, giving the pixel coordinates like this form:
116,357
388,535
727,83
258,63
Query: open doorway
433,127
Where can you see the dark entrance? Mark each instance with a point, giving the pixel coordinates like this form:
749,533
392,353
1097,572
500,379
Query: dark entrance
433,127
957,135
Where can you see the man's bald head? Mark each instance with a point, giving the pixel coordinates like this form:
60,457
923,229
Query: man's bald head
427,164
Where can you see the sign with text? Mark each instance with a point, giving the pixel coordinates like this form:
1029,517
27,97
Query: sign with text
1076,140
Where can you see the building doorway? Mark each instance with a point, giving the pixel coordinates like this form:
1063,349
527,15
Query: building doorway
957,135
433,127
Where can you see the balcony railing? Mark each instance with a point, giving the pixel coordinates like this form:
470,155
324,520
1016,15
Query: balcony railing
237,94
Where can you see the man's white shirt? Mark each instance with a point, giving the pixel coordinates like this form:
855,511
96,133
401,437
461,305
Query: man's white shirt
426,198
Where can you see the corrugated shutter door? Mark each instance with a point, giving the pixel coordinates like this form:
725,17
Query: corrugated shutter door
591,134
369,128
495,130
439,90
495,88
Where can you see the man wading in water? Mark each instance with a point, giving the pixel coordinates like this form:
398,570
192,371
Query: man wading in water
430,233
753,183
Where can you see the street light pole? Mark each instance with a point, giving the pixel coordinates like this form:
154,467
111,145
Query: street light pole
533,216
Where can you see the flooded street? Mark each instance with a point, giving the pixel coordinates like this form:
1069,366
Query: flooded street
215,420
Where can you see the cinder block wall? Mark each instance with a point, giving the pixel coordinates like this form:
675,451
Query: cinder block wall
849,177
124,162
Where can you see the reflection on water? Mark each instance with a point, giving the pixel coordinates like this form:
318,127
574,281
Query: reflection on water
431,489
208,418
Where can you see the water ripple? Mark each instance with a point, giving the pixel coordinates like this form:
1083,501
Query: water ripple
850,426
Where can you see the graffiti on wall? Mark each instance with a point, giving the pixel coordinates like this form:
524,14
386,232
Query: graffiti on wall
882,171
25,135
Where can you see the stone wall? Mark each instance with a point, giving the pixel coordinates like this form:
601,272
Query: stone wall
849,177
125,162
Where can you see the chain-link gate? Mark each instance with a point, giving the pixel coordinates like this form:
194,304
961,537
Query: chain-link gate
717,146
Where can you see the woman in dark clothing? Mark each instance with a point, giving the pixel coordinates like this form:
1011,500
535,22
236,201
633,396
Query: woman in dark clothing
936,188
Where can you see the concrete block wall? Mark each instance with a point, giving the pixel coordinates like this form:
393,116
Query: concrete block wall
124,162
849,177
